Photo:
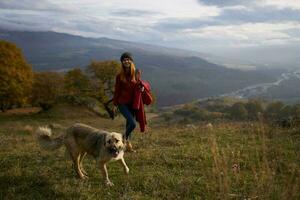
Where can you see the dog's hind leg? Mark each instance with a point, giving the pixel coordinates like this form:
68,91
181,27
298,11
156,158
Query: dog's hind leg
75,155
81,156
125,167
76,158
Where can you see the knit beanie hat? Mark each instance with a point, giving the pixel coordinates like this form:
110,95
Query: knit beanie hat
126,55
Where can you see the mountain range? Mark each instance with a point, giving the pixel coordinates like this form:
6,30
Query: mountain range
176,76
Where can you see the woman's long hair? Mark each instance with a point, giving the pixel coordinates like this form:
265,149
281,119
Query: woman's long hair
132,73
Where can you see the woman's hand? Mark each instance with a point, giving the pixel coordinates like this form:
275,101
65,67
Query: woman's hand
142,88
114,109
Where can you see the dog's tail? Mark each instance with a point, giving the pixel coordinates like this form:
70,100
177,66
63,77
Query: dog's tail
45,140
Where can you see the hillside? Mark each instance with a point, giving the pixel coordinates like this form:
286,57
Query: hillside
177,76
228,161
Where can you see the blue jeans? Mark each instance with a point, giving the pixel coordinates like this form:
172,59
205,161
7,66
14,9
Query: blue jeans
128,113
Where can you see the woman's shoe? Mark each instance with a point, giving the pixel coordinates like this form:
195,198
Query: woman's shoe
129,147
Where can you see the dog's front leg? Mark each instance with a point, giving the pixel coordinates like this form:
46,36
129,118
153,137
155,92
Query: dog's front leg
126,169
103,168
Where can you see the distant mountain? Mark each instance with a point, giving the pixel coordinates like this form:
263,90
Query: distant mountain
51,50
177,76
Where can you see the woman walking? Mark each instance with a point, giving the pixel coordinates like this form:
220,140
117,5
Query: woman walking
124,95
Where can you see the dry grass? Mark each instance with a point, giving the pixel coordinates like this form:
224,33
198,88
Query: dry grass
229,161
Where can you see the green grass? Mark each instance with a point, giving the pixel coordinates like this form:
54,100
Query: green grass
171,162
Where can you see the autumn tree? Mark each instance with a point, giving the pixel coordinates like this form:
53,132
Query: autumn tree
273,110
47,87
287,112
296,111
296,114
238,111
76,83
77,88
15,76
103,75
254,109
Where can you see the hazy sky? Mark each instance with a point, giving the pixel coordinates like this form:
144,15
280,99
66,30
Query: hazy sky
204,25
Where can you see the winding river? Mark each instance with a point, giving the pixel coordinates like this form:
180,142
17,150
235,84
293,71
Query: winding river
259,89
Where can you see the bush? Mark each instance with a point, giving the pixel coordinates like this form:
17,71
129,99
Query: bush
273,110
254,109
238,111
193,113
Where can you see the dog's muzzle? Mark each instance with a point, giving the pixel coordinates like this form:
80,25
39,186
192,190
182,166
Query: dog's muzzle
114,151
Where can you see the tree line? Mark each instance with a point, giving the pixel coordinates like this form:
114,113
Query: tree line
275,112
20,85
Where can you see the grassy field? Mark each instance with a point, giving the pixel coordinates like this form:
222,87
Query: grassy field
229,161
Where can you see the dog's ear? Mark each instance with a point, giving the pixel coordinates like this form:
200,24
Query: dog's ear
123,139
98,142
104,140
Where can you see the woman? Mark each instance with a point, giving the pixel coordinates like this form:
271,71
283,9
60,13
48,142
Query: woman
124,94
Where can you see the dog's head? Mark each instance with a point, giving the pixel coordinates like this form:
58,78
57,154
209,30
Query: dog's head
114,143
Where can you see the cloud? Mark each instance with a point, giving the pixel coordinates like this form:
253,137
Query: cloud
248,34
223,3
195,24
280,4
133,13
258,14
131,20
171,25
41,5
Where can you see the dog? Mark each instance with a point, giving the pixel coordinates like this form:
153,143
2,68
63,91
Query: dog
81,139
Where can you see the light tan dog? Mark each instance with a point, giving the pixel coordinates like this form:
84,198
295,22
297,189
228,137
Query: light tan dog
80,140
